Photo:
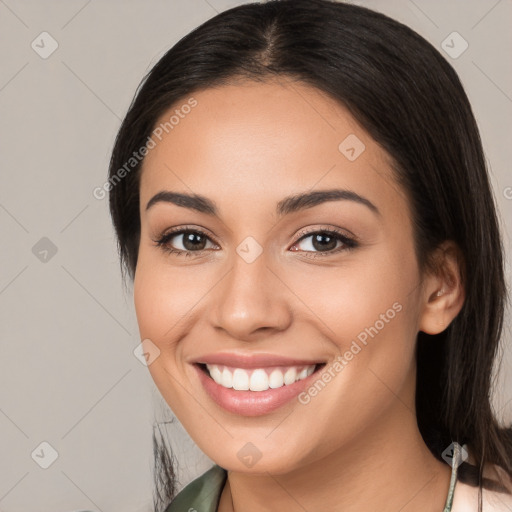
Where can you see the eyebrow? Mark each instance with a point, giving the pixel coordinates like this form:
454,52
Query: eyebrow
286,206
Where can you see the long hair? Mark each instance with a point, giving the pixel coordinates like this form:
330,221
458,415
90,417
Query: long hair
411,101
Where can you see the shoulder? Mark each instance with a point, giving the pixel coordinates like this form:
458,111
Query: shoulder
465,499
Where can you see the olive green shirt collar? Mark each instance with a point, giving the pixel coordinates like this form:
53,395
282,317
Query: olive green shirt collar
202,494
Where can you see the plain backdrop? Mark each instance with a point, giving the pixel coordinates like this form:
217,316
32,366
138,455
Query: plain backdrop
68,376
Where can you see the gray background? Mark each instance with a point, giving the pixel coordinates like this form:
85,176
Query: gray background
68,375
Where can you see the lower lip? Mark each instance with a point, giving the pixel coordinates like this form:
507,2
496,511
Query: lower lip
252,403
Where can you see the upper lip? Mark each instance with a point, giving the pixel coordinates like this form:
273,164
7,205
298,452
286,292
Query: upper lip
240,360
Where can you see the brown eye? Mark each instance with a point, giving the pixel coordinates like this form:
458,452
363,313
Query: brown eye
324,241
193,241
184,241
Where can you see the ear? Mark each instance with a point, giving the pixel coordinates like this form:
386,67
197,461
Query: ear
443,291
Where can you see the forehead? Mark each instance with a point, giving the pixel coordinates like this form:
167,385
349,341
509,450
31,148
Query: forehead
260,141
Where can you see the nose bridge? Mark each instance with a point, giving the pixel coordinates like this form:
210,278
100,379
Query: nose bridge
249,298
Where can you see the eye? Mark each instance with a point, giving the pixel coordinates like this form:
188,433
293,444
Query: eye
324,242
184,241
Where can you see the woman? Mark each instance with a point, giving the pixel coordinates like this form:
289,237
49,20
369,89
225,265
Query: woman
300,196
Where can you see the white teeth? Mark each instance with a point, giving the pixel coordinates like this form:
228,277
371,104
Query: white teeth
289,376
216,374
259,379
240,380
227,379
276,379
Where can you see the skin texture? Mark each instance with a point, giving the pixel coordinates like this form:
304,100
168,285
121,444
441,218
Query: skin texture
356,445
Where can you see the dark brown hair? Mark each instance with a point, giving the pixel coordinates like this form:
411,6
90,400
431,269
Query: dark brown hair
411,101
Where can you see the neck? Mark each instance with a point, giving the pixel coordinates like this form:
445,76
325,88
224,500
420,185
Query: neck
387,467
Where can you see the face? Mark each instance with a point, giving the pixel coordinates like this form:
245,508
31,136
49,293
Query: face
266,287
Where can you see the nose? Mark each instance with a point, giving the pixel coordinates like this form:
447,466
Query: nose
251,301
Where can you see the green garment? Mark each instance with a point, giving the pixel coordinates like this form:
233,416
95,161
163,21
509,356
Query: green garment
203,494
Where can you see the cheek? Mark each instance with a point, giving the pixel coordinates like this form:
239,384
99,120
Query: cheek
150,295
162,302
361,295
368,310
164,297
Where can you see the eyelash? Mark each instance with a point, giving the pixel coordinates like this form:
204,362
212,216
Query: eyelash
348,243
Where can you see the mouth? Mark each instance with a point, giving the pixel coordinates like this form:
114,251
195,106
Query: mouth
257,379
255,391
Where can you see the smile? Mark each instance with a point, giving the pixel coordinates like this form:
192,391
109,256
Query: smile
259,379
255,391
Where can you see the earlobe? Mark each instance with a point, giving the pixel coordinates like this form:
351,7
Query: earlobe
443,290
